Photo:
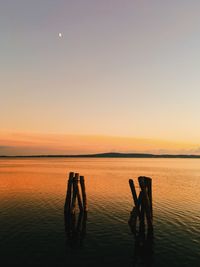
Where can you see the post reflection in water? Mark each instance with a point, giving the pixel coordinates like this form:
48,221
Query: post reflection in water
143,249
75,229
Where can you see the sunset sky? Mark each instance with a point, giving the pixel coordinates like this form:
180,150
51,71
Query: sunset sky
124,75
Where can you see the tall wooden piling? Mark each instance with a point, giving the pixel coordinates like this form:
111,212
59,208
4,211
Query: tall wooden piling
68,195
148,183
82,182
134,195
74,195
146,201
78,192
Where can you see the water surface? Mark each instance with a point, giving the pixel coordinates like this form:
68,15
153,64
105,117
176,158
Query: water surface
33,229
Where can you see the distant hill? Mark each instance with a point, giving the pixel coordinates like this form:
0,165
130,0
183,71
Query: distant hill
108,155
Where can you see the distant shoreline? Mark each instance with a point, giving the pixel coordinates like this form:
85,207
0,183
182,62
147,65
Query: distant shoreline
109,155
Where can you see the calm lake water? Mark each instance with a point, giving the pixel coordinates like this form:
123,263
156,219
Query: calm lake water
32,225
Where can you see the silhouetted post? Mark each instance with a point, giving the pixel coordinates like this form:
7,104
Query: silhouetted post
138,211
148,183
75,182
82,182
69,192
78,192
146,201
135,199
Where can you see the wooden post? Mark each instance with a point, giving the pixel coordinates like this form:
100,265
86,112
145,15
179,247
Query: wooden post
146,201
82,182
148,182
68,195
78,192
135,199
73,205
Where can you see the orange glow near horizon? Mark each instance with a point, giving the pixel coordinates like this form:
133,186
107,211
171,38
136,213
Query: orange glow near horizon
43,144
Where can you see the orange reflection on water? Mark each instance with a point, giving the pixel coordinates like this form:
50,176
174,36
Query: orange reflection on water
175,181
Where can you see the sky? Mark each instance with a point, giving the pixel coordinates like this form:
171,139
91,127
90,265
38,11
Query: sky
124,76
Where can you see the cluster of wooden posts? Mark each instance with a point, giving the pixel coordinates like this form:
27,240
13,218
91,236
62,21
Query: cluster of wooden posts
142,205
142,209
142,212
75,192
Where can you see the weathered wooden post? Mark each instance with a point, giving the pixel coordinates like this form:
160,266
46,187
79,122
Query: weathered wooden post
74,195
82,182
69,193
135,200
148,182
78,193
146,201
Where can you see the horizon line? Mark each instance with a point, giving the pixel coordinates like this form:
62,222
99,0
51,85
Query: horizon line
105,155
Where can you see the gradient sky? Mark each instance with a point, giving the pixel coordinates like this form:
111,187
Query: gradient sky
125,69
